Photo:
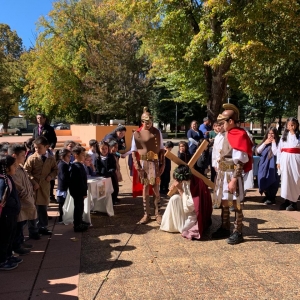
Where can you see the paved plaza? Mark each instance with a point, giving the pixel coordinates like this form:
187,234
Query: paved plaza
117,259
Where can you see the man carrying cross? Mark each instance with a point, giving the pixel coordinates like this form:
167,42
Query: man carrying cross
235,157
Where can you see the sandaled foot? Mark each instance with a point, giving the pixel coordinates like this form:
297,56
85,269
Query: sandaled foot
145,219
158,219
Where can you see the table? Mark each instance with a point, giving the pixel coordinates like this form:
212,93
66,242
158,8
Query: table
98,199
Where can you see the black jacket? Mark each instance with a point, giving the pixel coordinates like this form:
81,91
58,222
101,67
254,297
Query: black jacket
48,132
63,178
107,167
13,205
78,180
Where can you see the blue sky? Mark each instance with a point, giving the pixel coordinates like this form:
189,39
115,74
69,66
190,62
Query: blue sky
22,15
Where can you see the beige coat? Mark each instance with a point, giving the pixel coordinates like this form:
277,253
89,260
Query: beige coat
38,171
26,195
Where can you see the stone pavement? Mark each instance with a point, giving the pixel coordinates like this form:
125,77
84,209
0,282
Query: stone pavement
117,259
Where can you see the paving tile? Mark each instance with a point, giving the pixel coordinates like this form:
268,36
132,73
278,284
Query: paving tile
177,266
50,277
221,278
151,287
17,281
57,292
111,289
66,258
192,285
14,295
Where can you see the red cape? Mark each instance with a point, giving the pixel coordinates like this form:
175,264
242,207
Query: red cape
202,202
239,140
137,187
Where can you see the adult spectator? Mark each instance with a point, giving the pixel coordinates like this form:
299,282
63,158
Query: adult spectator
195,137
119,135
44,129
47,131
205,127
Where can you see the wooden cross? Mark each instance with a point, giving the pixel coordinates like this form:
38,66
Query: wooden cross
191,164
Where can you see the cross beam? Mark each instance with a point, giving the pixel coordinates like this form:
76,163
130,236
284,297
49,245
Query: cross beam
191,164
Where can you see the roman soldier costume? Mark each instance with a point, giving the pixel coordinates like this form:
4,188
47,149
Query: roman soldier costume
148,159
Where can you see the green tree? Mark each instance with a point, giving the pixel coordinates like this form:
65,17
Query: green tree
82,64
11,73
196,46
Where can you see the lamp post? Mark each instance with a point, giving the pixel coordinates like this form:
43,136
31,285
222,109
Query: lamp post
228,93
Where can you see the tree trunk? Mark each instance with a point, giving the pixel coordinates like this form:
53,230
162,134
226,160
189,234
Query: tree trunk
280,123
262,123
216,83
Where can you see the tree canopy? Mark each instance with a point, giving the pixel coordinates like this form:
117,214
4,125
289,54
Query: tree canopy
11,73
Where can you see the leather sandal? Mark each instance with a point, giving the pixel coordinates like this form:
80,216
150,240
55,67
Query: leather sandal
158,219
145,219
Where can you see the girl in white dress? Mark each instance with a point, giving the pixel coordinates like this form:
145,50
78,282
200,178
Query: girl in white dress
180,215
288,162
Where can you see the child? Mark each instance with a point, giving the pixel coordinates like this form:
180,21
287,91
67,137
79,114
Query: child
93,144
88,166
165,177
113,147
29,147
41,168
183,152
106,167
63,180
9,214
78,188
70,145
268,179
26,196
288,162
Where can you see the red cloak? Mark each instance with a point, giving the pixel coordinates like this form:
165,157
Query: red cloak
202,202
239,140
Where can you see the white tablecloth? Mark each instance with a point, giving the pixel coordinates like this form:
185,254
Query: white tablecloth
98,199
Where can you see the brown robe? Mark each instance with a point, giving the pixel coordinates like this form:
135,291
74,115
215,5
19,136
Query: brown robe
38,171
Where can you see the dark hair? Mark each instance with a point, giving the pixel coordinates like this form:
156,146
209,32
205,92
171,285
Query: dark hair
29,143
193,122
276,137
111,142
16,149
66,143
286,131
6,161
41,140
93,142
61,154
42,115
78,150
4,149
185,144
169,144
120,128
182,173
102,143
3,144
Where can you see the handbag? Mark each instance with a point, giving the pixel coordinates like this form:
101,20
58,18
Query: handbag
3,200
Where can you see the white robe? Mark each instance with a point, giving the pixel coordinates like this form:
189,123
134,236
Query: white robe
217,147
289,168
180,214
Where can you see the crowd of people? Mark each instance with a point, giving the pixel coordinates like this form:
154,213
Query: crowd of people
28,172
27,175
